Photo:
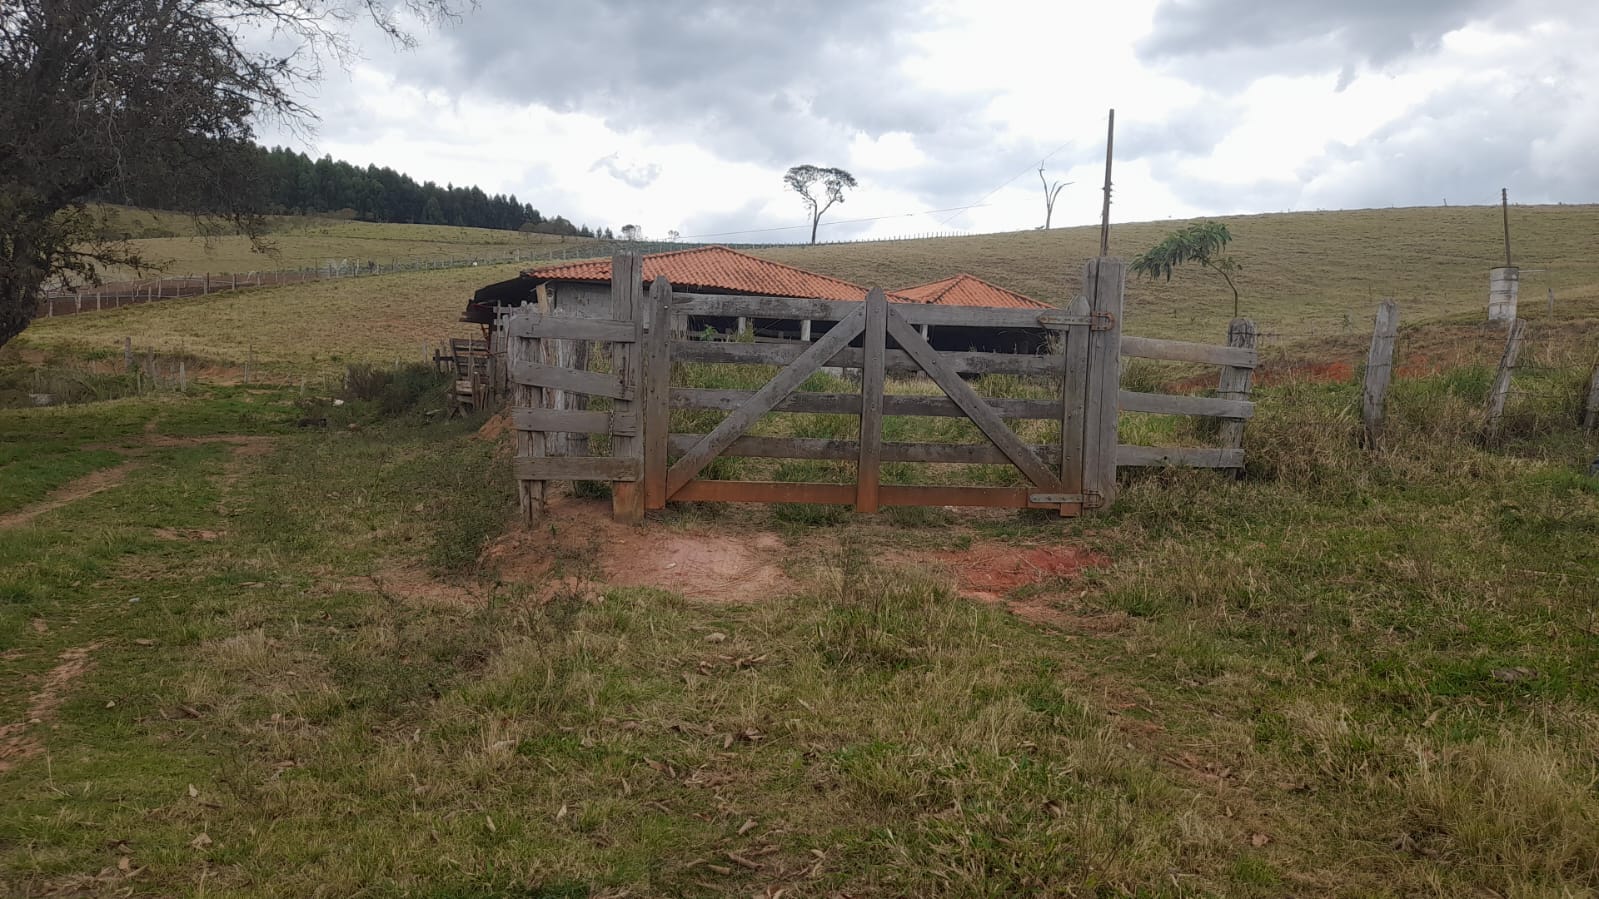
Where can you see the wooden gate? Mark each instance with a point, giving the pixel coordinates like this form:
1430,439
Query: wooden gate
632,401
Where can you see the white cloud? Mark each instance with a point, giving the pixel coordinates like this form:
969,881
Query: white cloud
683,115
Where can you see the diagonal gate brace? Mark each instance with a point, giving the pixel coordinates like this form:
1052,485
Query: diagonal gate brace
976,408
764,400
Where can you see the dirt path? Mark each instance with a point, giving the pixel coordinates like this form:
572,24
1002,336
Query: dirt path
15,744
83,487
243,447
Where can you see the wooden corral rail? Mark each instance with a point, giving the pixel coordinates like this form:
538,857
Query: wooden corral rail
649,465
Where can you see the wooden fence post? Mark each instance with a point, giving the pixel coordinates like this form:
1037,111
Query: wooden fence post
127,354
1074,399
555,444
1379,371
1501,387
1234,383
1106,278
529,444
627,288
874,354
656,391
1590,406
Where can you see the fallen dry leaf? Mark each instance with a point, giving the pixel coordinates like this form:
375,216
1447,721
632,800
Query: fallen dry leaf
194,793
715,637
201,841
1258,840
746,827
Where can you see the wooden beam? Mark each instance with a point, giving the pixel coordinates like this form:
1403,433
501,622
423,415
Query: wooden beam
895,361
975,407
1104,280
825,448
1169,404
1184,351
1129,456
799,309
567,328
657,390
1379,372
850,403
627,305
695,460
578,468
573,421
1074,402
869,465
764,492
539,374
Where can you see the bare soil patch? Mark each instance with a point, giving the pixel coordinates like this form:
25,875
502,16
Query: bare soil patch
15,744
578,540
989,571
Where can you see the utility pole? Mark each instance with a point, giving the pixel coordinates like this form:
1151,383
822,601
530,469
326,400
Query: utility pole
1104,214
1504,205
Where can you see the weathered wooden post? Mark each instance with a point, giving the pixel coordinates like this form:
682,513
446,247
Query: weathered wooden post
627,289
1590,405
656,390
1501,386
530,493
1234,382
1104,283
1074,397
874,355
1379,371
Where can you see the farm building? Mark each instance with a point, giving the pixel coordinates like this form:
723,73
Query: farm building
582,289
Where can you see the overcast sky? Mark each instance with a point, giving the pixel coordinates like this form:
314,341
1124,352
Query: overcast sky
683,114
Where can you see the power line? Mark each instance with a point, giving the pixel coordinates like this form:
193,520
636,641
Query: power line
876,218
1008,182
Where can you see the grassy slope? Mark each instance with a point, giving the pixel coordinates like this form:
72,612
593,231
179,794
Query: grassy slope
1349,675
1304,272
1307,275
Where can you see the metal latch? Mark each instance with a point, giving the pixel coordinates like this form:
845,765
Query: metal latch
1054,499
1101,321
1093,499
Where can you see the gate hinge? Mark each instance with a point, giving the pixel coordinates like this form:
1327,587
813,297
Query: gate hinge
1093,499
1101,321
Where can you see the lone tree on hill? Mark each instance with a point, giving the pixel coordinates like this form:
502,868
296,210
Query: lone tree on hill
632,232
1202,243
803,179
101,97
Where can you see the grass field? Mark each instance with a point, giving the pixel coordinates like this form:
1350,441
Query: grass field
272,662
1304,274
1299,284
295,241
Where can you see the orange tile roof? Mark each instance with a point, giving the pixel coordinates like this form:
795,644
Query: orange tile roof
965,290
716,268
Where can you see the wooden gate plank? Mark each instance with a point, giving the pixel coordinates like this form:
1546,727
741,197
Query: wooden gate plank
657,389
850,403
627,302
733,426
975,407
540,374
873,338
1104,280
1074,399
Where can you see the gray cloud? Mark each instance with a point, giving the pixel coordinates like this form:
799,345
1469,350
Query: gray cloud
633,175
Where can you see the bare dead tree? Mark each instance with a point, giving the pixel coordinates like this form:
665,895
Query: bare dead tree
99,96
1051,191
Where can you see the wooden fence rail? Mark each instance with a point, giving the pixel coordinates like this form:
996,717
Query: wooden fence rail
649,465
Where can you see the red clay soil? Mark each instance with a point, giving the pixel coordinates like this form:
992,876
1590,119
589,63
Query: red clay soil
991,570
577,541
15,744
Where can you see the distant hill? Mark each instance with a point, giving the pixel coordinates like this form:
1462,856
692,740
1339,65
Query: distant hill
1305,274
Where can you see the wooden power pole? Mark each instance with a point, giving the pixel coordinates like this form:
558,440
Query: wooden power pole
1104,214
1504,205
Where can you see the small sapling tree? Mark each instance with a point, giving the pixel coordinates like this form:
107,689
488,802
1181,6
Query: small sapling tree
1200,243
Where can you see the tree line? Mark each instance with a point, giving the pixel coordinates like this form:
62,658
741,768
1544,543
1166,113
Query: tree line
288,182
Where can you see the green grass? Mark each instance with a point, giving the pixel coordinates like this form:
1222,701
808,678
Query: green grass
1349,674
